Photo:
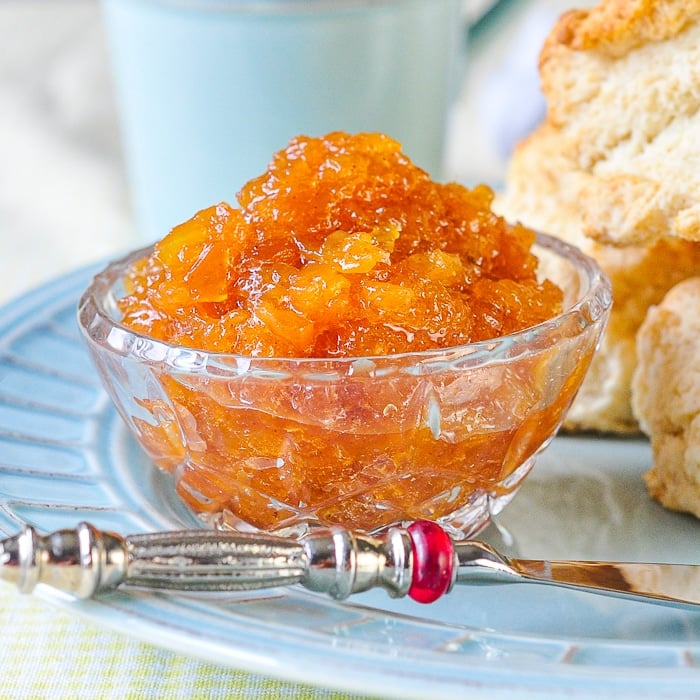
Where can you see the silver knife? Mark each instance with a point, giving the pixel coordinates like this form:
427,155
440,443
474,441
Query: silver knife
420,561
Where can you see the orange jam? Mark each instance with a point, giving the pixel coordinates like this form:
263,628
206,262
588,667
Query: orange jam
343,248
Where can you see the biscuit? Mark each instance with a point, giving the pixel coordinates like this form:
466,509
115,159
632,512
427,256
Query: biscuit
622,83
666,396
612,169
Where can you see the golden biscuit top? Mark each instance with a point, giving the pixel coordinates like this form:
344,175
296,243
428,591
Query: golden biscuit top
615,27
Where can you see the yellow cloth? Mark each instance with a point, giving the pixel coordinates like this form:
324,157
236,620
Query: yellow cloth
47,653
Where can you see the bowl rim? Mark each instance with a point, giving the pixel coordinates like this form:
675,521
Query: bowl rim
591,307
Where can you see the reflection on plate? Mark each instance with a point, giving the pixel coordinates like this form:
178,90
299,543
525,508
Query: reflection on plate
65,457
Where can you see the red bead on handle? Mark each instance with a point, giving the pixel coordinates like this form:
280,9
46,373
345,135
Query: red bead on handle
433,561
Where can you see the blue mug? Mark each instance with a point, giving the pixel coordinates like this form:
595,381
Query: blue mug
208,90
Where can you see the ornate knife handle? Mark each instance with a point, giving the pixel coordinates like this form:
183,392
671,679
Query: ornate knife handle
85,561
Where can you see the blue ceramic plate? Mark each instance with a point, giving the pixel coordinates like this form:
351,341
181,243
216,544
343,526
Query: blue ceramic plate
65,457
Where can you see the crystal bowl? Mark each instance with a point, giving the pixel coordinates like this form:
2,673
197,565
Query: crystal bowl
285,445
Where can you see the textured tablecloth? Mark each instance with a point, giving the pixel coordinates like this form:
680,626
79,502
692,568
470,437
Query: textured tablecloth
63,204
47,653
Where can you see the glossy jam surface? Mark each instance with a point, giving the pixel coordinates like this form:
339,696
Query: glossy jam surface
342,248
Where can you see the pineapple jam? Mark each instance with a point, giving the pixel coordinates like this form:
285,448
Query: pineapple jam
341,249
